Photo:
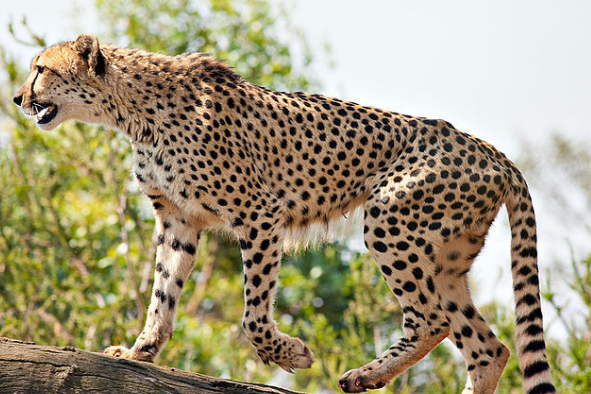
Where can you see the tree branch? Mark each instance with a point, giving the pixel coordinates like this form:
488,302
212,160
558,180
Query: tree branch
29,368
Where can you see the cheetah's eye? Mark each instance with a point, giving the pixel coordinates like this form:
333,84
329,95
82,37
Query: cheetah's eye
40,69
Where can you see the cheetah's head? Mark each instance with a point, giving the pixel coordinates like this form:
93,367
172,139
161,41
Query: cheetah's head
62,81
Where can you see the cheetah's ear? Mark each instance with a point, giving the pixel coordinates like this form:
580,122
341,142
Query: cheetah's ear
87,46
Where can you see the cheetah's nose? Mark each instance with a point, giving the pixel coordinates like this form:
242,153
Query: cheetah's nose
18,100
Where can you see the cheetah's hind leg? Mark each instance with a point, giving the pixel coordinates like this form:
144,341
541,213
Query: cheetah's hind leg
405,259
483,352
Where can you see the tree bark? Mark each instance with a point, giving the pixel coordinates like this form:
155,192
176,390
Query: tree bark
29,368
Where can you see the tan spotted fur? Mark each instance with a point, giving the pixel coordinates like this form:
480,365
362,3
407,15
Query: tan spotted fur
212,150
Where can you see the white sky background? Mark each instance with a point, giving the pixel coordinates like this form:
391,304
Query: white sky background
506,71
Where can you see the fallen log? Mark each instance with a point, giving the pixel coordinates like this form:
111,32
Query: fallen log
29,368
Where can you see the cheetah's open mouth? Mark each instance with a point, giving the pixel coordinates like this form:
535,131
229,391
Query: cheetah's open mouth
44,113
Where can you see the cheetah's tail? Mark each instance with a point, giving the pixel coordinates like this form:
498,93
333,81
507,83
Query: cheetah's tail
529,332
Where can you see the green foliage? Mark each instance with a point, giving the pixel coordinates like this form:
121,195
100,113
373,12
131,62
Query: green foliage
76,245
569,357
572,358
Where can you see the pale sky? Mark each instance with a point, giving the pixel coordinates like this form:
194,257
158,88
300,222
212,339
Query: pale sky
505,71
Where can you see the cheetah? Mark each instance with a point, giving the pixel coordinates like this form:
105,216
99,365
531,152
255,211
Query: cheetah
211,150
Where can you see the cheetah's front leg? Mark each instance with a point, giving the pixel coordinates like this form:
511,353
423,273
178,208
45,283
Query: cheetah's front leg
261,253
178,239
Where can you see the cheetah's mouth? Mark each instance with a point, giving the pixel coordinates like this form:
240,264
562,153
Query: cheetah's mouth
44,113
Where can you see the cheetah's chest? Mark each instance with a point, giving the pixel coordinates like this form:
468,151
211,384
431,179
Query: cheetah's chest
161,175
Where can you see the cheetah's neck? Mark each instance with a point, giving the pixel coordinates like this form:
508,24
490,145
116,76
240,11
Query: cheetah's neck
148,88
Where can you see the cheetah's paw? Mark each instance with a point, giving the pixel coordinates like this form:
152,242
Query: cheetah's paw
129,354
118,351
289,354
354,381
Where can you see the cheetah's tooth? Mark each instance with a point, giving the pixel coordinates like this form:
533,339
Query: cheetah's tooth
41,113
